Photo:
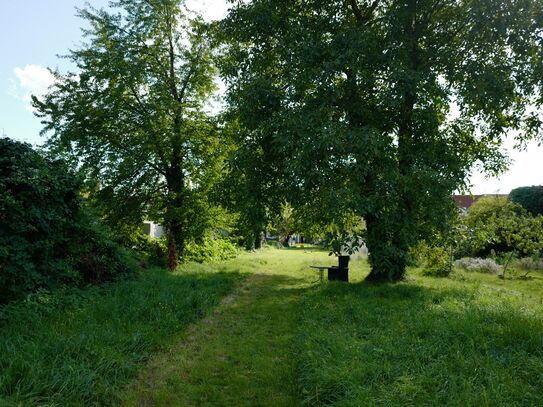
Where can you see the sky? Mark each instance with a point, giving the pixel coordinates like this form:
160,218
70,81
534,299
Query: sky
34,32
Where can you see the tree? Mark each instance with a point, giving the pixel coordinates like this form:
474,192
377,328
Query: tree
361,95
134,115
530,198
251,186
500,225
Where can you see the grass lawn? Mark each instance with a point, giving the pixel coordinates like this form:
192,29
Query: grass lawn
280,339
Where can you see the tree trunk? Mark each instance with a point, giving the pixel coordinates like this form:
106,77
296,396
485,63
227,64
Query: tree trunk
388,238
258,239
387,252
172,252
175,217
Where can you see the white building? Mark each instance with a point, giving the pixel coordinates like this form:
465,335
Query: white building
153,229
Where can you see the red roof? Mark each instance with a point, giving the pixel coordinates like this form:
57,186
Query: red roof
465,201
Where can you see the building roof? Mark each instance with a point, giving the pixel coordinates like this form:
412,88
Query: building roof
465,201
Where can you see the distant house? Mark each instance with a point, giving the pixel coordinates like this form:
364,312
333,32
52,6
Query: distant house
153,229
463,202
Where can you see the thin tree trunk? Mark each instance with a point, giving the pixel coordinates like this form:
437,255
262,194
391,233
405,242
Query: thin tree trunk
258,239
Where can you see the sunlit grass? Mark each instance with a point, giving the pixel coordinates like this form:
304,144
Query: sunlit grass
467,340
279,339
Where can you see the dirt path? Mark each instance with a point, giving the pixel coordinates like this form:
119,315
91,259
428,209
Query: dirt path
238,356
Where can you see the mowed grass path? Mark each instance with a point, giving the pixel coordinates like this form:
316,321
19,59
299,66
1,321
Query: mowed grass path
242,354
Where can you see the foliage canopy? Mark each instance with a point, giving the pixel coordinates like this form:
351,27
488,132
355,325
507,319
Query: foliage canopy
357,97
530,198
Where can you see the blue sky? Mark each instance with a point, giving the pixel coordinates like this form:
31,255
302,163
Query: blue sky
34,32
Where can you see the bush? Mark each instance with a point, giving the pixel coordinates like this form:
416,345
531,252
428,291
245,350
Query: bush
211,248
48,238
437,262
495,224
530,198
488,266
150,251
529,264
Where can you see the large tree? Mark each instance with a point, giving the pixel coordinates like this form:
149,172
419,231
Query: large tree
384,106
134,114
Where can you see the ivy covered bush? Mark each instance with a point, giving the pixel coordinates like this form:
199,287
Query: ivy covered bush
48,237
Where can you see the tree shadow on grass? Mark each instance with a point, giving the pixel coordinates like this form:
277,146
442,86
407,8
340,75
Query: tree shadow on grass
398,344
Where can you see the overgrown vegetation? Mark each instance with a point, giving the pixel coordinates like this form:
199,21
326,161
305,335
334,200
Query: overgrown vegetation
49,238
80,347
211,248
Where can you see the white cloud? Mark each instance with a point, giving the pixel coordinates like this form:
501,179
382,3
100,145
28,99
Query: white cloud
33,80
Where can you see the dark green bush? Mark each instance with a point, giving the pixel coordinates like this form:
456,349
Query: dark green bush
530,198
48,237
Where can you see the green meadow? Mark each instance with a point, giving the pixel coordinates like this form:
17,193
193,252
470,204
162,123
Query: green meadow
259,330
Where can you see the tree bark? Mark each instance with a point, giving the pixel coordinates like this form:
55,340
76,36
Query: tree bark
175,219
258,239
387,252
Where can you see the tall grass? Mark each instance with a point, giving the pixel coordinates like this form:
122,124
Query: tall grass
420,343
80,347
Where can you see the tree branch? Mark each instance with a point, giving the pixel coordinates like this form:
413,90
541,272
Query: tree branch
363,18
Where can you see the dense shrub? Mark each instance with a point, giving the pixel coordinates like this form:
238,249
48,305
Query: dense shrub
149,250
479,265
434,260
437,262
495,224
211,248
529,264
48,238
530,198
